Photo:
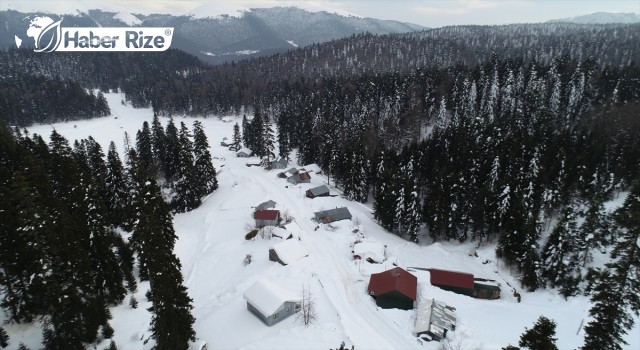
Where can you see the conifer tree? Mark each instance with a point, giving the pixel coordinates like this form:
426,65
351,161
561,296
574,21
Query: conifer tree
257,133
25,224
4,338
247,134
186,187
154,239
207,181
560,265
237,139
284,144
144,149
116,188
158,146
616,294
539,337
171,161
268,143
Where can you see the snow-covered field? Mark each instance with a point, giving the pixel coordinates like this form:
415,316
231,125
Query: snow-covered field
212,248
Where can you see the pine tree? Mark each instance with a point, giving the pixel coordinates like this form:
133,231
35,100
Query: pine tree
158,146
284,144
268,143
116,188
541,336
154,239
4,338
561,266
144,150
237,139
25,223
258,133
247,134
134,179
207,180
171,161
616,294
186,187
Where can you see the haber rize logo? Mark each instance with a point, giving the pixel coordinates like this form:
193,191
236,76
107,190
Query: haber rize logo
48,36
45,32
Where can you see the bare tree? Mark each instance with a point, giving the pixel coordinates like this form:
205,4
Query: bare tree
307,312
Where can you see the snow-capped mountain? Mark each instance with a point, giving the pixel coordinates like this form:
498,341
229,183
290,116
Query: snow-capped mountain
601,18
217,34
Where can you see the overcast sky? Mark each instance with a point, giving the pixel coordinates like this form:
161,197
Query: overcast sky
429,13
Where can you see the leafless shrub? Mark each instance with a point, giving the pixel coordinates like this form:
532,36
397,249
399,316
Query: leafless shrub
307,312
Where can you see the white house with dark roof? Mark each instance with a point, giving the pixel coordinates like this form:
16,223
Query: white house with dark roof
270,302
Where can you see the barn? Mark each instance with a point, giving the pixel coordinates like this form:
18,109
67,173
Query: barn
485,289
270,302
454,281
279,163
395,288
300,177
267,217
320,191
331,215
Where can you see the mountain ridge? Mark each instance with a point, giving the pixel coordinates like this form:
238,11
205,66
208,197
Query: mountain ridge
601,18
256,32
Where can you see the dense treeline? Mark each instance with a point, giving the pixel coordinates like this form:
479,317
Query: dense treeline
29,99
612,45
62,255
37,88
177,83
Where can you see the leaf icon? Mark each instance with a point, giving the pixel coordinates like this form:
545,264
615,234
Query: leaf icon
54,32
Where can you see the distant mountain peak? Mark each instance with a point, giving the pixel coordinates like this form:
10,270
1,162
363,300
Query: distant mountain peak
601,18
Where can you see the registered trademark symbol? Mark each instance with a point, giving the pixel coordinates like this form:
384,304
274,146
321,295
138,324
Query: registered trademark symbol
167,32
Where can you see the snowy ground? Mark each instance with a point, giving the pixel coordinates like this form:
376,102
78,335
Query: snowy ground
212,248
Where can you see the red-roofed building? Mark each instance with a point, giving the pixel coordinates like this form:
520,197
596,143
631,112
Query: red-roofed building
395,288
266,217
455,281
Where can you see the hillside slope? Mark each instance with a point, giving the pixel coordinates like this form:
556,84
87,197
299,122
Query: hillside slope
212,248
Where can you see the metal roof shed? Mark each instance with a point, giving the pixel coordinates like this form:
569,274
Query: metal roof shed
454,281
331,215
319,191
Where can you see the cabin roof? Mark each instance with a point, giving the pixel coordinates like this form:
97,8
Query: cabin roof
266,296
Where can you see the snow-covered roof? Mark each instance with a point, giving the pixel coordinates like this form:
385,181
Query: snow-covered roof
316,191
313,168
331,215
290,251
369,249
294,229
291,171
245,150
434,317
267,296
266,205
